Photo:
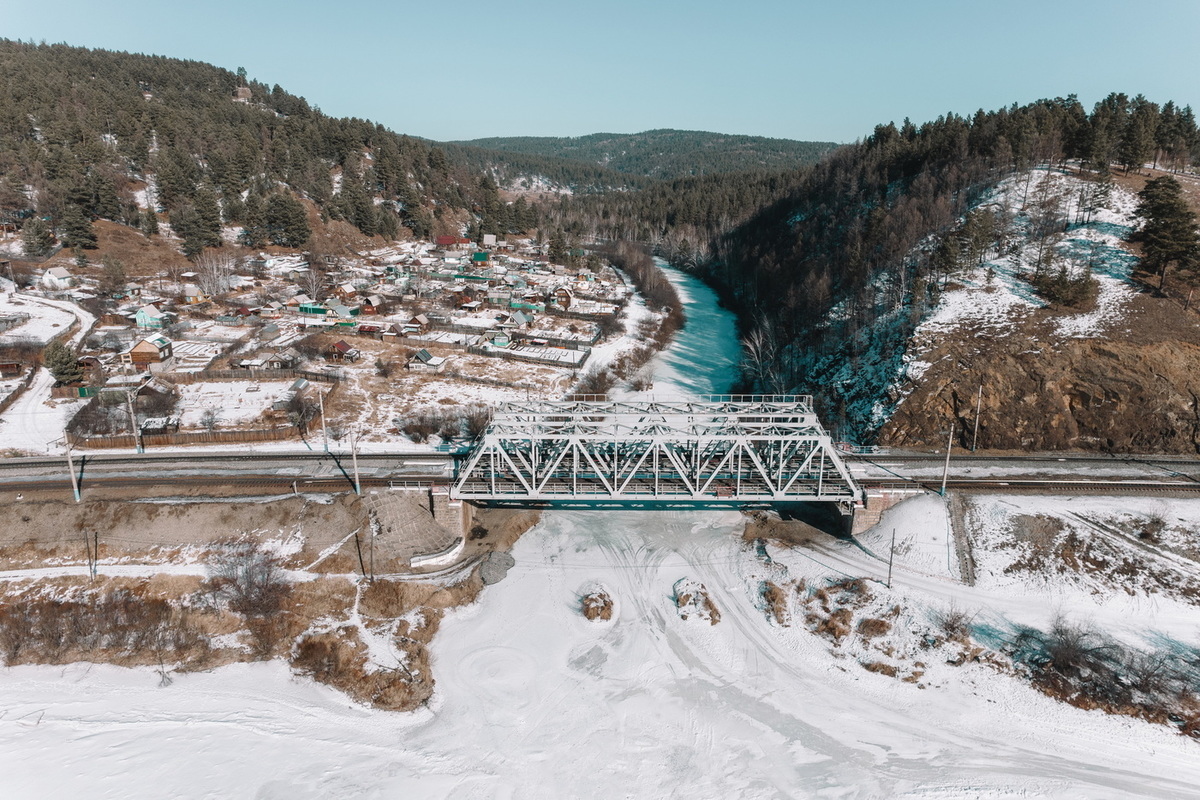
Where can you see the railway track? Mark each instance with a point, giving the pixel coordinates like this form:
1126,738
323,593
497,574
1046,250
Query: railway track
282,483
338,483
1064,486
207,458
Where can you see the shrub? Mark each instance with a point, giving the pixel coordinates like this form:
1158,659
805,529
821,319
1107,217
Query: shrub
249,579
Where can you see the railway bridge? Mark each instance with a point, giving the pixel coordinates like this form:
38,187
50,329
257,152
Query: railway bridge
710,450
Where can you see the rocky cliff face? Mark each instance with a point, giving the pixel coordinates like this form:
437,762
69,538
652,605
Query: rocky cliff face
1136,388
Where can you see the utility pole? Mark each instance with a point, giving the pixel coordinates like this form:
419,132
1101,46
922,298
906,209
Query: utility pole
324,432
978,406
92,543
137,437
891,555
371,557
946,469
71,469
354,461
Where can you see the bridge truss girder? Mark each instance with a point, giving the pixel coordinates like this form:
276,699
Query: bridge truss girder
726,450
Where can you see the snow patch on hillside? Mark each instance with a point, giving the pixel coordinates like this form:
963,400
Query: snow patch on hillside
992,299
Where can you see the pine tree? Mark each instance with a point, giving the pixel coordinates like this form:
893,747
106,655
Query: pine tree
558,248
77,228
287,221
208,217
36,238
1169,236
62,363
150,222
113,277
254,229
185,222
1137,141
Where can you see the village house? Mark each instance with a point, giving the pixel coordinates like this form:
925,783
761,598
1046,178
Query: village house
563,297
154,392
452,242
149,353
57,279
284,400
340,351
374,304
149,317
192,295
283,359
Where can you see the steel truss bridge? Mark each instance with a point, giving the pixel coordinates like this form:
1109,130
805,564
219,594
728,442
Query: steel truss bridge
734,450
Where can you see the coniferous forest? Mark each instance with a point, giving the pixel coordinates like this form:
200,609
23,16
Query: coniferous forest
82,130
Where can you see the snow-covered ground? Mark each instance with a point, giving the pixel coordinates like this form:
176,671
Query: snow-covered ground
36,421
235,402
47,318
535,701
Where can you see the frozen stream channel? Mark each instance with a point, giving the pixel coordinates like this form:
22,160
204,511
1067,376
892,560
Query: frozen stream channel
534,701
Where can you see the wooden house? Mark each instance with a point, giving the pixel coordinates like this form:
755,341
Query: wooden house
192,295
347,293
562,297
151,350
340,351
374,304
283,359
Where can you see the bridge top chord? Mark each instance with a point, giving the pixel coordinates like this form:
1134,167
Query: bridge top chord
702,417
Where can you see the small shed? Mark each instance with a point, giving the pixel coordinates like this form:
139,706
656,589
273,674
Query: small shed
425,361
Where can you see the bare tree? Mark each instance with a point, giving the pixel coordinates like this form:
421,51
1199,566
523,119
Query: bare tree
213,271
312,283
209,419
761,357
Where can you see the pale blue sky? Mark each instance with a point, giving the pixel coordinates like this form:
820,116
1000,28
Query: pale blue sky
799,70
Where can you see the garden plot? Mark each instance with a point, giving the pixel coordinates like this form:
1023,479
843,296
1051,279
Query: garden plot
235,402
213,330
191,356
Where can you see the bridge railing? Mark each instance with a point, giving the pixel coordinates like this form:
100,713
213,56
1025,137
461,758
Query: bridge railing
805,399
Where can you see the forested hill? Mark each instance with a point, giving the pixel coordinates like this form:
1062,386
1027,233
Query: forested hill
869,234
667,154
531,173
87,132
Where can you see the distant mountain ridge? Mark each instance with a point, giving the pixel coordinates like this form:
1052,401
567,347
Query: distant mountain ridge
665,154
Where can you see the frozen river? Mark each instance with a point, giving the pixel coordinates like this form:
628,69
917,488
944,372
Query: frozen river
704,356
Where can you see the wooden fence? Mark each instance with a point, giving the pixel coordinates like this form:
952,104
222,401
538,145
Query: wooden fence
216,375
516,355
20,388
127,441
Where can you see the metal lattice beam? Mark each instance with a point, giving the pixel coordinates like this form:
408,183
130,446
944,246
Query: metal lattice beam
717,448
